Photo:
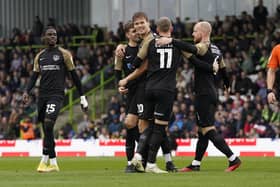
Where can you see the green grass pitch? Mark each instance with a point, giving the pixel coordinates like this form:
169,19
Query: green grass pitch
109,172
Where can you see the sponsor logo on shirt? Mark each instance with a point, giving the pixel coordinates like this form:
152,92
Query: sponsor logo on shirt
56,57
50,67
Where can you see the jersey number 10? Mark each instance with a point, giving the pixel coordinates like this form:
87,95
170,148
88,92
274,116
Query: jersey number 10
165,62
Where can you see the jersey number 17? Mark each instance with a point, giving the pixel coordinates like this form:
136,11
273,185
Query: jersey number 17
165,57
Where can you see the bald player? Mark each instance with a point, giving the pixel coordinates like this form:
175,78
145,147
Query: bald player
206,95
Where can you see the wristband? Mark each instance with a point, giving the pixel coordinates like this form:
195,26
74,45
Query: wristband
269,91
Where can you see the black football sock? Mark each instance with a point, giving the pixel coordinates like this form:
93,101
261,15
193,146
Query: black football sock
155,142
130,142
201,146
49,143
143,140
219,142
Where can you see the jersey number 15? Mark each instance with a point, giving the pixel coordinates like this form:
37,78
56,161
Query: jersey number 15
165,61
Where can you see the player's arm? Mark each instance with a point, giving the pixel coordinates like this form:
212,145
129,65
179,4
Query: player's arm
143,51
118,63
120,50
135,74
223,74
181,45
197,63
271,72
32,80
68,60
185,46
198,49
141,66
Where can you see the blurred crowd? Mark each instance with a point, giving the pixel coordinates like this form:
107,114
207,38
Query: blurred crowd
245,40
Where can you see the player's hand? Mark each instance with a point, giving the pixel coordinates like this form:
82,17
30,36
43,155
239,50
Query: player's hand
271,98
123,82
163,41
216,65
120,50
84,103
25,98
123,90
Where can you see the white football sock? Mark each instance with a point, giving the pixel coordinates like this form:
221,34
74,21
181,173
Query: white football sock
45,159
167,157
53,161
196,163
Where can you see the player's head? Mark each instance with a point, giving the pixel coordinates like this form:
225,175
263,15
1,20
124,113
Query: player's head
164,25
50,36
130,32
141,23
201,30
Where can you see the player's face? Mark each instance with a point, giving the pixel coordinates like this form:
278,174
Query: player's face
132,35
51,37
197,36
142,26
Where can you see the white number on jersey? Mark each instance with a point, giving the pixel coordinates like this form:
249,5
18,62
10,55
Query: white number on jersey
140,108
50,108
163,53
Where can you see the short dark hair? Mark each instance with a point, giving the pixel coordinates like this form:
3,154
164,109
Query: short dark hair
47,28
129,25
139,15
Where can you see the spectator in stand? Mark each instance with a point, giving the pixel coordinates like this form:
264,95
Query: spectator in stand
248,129
120,32
83,51
82,125
244,84
104,135
115,126
26,129
90,132
179,28
260,14
37,30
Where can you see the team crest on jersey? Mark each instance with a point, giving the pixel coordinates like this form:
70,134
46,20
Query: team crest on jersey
56,57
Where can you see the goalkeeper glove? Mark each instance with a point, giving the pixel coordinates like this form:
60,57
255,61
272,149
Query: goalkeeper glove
84,103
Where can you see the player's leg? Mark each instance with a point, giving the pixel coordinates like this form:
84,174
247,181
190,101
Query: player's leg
41,108
132,135
202,112
201,146
165,147
53,106
220,143
209,131
145,132
145,112
163,108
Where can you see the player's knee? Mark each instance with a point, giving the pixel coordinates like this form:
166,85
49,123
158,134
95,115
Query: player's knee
205,130
161,122
130,121
160,129
48,125
143,125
